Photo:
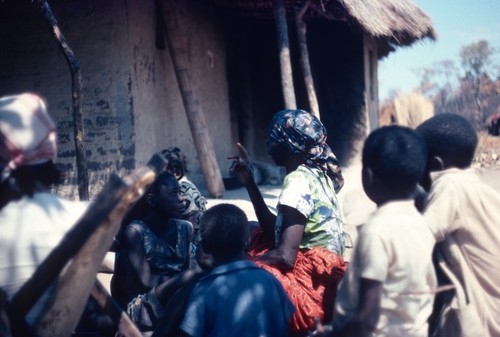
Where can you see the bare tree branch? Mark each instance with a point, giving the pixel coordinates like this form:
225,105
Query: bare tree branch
76,99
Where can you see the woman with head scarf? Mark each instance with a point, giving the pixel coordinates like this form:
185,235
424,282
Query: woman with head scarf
303,244
32,219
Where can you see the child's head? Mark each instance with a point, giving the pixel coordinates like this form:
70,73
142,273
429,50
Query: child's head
394,160
451,140
224,233
177,163
164,196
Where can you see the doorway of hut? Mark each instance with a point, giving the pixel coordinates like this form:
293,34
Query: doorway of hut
255,94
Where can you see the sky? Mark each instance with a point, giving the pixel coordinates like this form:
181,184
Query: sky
458,23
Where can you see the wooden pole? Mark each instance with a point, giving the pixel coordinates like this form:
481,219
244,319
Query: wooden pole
304,58
76,99
279,12
81,252
196,118
126,327
76,282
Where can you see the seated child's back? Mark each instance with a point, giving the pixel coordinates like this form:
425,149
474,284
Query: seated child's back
237,298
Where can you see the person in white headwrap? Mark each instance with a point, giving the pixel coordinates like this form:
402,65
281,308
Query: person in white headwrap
32,219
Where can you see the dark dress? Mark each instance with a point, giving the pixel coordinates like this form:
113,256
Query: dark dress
166,258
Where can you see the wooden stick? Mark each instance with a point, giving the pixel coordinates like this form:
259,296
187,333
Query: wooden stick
287,87
204,147
71,243
98,225
62,317
304,58
125,326
76,99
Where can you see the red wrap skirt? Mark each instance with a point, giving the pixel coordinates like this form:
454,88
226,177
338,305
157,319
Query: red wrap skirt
311,285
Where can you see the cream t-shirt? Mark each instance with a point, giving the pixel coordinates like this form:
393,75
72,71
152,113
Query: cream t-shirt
462,208
29,229
394,247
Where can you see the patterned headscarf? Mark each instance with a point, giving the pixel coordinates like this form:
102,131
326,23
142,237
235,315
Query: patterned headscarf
27,133
303,133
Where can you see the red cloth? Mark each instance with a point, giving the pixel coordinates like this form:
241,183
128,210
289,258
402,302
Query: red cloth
311,285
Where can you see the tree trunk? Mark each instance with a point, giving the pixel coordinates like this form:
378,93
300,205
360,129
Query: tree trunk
76,100
196,118
279,11
304,58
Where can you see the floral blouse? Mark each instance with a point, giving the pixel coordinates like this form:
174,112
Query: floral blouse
311,192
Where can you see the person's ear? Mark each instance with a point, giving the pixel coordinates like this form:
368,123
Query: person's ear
436,164
150,199
367,177
177,174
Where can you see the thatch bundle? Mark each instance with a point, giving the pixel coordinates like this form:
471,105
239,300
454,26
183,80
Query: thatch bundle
412,109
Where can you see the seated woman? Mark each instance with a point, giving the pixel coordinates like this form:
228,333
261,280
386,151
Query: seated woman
153,246
303,244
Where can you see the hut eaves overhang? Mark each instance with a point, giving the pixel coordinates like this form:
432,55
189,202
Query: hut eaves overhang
394,23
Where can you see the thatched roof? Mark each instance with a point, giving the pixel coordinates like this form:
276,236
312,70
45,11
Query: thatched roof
396,22
400,21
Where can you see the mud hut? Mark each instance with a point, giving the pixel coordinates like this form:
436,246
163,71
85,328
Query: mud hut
134,106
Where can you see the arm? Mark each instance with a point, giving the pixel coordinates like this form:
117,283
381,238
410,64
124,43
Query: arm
293,229
134,251
242,166
364,321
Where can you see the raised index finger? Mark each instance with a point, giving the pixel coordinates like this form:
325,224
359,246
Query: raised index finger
243,153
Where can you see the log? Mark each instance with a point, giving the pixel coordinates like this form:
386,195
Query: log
279,12
196,118
76,100
125,326
84,246
304,58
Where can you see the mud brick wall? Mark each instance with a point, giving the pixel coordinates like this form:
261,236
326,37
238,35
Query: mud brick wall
132,106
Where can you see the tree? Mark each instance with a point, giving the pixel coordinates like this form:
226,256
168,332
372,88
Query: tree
476,62
439,76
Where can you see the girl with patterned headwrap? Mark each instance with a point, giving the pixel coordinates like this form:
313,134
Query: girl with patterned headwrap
303,244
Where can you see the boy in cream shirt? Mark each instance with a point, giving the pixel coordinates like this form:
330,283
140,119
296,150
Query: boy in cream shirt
389,284
463,214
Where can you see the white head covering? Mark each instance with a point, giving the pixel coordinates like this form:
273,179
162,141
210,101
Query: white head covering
27,133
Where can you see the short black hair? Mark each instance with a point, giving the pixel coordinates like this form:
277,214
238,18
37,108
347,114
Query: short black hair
139,209
25,180
451,137
397,155
162,179
224,231
177,162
